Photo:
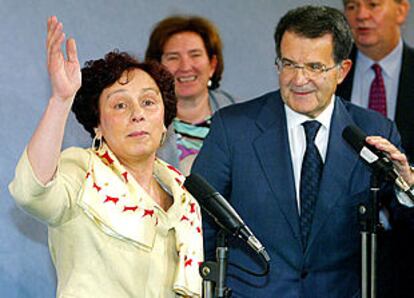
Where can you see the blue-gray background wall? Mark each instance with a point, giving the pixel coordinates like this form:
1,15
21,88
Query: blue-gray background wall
99,26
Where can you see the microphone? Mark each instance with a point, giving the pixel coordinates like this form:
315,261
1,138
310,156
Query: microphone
375,158
222,212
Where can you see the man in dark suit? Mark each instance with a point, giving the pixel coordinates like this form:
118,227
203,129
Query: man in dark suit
377,35
281,161
376,31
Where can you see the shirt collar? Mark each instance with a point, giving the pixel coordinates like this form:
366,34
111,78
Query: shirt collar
388,65
295,119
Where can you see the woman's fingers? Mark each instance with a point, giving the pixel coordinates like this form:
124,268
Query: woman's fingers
52,25
64,73
56,36
71,50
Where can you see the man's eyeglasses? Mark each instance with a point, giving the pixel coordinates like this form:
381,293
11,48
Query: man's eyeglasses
310,70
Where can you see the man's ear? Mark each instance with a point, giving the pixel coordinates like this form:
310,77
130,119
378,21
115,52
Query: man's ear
403,9
344,68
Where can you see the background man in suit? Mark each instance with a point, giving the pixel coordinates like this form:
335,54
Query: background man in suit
281,161
376,28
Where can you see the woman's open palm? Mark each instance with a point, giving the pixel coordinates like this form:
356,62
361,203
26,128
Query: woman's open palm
65,74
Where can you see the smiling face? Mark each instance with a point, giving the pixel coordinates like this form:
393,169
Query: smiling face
304,94
185,56
376,24
132,116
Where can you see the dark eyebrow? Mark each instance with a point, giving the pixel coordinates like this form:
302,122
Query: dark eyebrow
288,60
155,90
191,51
195,51
115,92
307,63
170,53
144,90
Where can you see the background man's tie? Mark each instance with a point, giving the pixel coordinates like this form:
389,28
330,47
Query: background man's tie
377,97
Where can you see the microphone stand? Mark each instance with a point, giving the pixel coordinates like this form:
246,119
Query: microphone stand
369,226
214,273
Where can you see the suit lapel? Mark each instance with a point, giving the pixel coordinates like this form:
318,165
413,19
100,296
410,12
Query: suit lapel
273,153
339,163
405,86
405,103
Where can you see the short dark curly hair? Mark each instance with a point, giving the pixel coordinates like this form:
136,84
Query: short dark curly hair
172,25
102,73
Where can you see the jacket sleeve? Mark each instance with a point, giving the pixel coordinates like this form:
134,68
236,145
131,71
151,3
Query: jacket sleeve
51,203
401,214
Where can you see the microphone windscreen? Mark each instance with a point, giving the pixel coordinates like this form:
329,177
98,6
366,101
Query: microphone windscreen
354,137
198,187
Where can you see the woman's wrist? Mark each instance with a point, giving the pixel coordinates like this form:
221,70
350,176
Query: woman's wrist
61,104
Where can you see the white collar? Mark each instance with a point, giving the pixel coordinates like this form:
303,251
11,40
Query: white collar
295,119
388,65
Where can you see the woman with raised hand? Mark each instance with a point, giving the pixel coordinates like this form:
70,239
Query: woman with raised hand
120,222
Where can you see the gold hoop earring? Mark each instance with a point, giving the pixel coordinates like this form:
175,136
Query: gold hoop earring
97,142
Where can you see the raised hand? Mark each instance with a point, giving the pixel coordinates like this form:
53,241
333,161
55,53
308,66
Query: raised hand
65,74
45,145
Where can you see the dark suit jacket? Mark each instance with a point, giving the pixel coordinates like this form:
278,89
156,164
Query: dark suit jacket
404,116
246,157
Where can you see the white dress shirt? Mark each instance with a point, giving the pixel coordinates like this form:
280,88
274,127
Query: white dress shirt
364,75
297,138
297,145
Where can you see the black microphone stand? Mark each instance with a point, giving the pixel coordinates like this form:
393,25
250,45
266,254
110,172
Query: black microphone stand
214,273
369,227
